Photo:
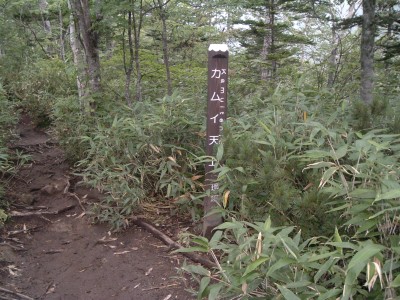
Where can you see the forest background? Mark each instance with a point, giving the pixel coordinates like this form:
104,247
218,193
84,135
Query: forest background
309,179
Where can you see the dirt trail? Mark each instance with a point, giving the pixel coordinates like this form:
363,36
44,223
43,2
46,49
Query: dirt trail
64,256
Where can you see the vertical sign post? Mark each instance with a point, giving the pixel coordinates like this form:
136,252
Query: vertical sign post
216,115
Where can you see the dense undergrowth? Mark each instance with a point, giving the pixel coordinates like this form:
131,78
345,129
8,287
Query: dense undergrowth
310,181
8,161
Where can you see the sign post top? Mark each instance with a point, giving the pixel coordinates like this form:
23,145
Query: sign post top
218,47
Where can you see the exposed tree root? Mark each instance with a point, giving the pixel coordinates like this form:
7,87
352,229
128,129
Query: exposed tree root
39,213
174,245
19,295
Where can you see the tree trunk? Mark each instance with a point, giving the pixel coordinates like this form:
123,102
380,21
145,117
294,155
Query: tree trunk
367,51
89,38
332,65
43,6
79,58
62,34
163,17
268,71
128,66
137,27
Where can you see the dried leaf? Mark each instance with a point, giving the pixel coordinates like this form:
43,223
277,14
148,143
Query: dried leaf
81,215
196,177
14,271
51,289
121,253
244,288
226,198
148,272
155,148
104,240
259,245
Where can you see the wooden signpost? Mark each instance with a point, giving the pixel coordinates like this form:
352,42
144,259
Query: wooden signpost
216,115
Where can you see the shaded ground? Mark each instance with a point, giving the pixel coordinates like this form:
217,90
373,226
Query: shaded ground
64,256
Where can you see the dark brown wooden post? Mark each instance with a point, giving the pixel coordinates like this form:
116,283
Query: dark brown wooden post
216,115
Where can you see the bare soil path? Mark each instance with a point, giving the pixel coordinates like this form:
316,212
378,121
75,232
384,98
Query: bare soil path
63,255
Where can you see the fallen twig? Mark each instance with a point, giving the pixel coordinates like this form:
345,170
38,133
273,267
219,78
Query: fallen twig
105,240
14,247
39,213
26,230
53,251
159,287
15,294
174,245
79,200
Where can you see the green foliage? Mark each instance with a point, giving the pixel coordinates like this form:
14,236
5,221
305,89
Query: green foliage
8,118
300,152
265,141
70,125
312,173
259,260
135,159
40,84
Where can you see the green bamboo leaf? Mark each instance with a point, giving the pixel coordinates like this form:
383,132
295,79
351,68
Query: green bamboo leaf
392,194
383,211
396,282
324,268
331,294
288,294
316,257
215,238
379,147
267,224
346,245
338,239
362,193
228,225
288,248
339,153
265,127
362,257
320,164
201,241
298,284
214,291
197,269
251,267
203,286
366,225
283,262
314,154
341,207
220,152
327,175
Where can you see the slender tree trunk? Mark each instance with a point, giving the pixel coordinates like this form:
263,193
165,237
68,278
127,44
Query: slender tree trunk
268,71
128,66
89,37
79,58
62,33
367,51
163,17
43,6
139,96
137,27
333,55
